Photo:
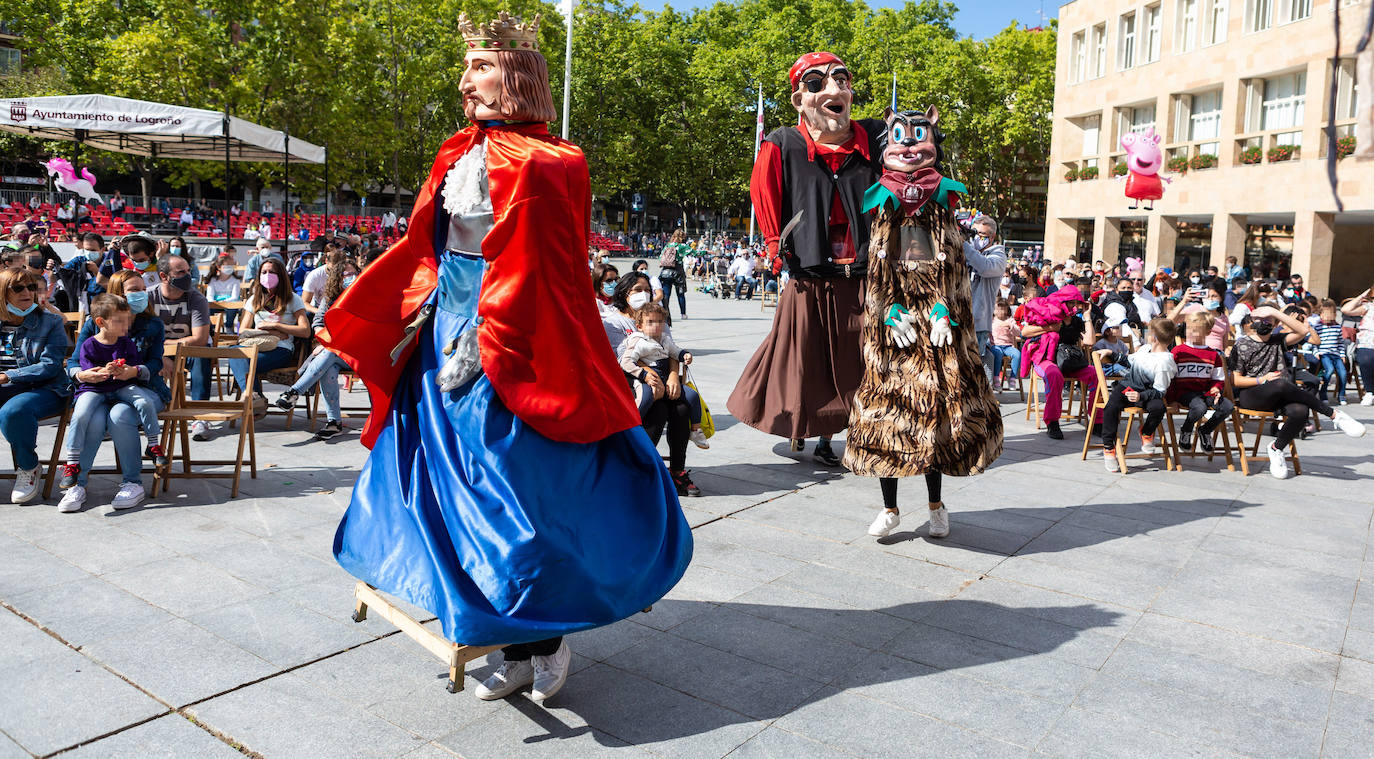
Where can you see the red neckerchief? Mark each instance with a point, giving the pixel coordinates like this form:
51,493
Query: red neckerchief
912,190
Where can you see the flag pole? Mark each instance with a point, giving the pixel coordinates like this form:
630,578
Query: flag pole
894,90
567,72
758,141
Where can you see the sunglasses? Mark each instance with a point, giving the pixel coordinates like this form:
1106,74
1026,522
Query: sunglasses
31,287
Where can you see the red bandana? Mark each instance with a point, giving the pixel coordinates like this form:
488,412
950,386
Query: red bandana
912,190
808,62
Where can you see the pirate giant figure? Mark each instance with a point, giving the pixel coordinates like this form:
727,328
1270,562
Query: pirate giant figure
807,187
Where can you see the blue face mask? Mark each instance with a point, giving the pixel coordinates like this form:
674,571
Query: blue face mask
21,311
1212,305
93,255
608,288
138,301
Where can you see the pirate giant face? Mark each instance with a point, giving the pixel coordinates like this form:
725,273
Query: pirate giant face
481,86
822,95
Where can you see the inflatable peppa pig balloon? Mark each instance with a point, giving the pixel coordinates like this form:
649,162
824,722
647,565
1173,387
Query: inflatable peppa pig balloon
1143,162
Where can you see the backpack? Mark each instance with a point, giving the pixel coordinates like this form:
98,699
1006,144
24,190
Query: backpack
669,258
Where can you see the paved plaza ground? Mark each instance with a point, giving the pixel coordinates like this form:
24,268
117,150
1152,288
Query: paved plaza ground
1071,613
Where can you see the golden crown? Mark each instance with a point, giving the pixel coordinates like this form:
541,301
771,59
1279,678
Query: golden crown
506,32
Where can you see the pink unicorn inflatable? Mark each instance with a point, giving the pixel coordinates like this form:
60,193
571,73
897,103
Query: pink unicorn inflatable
67,179
1143,162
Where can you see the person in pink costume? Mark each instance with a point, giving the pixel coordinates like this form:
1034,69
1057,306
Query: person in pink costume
1044,335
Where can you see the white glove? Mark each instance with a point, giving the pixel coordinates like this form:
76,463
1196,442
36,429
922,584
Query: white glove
903,325
940,333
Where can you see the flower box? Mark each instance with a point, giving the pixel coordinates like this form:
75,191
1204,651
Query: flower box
1071,175
1345,146
1202,161
1251,156
1089,172
1178,165
1282,153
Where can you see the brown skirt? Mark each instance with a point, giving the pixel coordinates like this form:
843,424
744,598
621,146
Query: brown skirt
802,379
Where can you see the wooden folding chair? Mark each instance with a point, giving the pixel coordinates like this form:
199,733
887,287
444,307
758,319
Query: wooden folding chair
1222,444
287,376
345,411
1166,442
183,411
1020,383
54,461
1073,390
1261,419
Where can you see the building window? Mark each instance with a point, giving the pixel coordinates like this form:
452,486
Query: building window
1099,50
1347,90
1125,46
1275,104
1204,121
1078,58
1134,119
1092,131
9,61
1214,22
1153,22
1258,15
1294,10
1185,36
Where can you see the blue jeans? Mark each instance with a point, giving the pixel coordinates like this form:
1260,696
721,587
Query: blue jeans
1333,366
1000,353
1364,359
122,422
20,410
689,396
990,369
741,281
323,368
274,359
200,370
88,405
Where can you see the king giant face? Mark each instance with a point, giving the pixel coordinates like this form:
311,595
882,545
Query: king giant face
481,86
823,97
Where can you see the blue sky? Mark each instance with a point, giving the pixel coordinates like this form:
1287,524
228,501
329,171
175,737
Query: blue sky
977,18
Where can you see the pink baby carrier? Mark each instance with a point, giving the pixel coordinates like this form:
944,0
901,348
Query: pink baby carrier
1043,312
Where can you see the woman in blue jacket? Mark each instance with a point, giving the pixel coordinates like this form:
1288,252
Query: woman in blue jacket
121,420
33,344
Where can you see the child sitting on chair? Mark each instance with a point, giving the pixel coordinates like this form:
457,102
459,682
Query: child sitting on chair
1152,369
650,356
1005,332
1201,376
1115,365
111,361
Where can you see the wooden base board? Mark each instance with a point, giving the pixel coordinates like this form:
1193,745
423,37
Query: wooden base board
456,655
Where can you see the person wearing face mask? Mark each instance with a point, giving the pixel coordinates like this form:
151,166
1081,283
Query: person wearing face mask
271,306
78,279
323,366
987,262
117,418
185,316
604,278
140,255
313,283
176,246
1259,373
33,345
261,253
1209,300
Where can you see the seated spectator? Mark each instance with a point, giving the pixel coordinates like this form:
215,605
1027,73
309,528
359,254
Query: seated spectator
1208,299
1145,384
32,383
323,366
1259,374
185,317
263,251
651,357
117,205
268,211
186,220
742,272
1005,333
1040,349
176,246
1115,361
1330,349
272,307
604,279
1201,377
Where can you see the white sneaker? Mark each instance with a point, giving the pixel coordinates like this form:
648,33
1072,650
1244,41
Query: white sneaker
130,495
1109,461
939,522
550,672
72,500
1278,466
698,437
200,431
886,522
510,677
1367,400
1148,447
1348,424
25,484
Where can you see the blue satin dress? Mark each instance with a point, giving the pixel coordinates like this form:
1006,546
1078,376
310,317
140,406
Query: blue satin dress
505,535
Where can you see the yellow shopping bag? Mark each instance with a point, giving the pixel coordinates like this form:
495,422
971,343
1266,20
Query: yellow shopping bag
708,427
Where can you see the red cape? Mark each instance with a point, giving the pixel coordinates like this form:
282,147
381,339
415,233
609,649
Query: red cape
543,347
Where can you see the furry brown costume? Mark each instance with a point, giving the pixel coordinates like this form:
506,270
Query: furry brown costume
921,409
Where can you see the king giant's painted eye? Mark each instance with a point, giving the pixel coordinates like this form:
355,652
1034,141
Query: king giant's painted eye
898,132
920,133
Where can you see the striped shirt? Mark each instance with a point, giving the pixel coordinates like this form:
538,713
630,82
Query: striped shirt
1330,334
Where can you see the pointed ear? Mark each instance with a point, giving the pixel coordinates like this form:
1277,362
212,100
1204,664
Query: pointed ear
932,115
887,114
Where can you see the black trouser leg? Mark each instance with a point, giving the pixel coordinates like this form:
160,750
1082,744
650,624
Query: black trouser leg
1111,415
1295,402
679,428
889,486
1154,414
1197,406
933,482
523,651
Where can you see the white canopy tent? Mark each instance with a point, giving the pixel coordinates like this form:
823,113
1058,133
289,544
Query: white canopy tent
157,130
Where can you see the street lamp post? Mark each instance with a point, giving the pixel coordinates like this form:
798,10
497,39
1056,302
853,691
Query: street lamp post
567,71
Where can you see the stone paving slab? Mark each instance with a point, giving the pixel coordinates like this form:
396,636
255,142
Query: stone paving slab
1072,613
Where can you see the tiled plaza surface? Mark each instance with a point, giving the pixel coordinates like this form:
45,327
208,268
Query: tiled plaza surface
1071,613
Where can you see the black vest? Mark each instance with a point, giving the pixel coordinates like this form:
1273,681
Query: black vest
809,185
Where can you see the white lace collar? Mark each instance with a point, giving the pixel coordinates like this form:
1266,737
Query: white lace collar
463,183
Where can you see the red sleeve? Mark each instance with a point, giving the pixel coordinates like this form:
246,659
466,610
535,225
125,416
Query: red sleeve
765,189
